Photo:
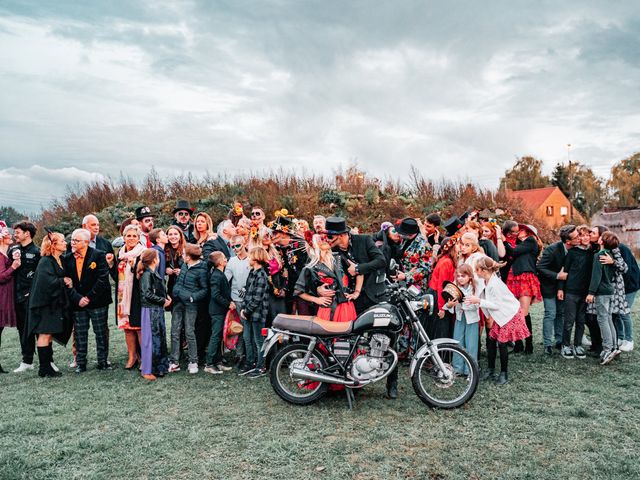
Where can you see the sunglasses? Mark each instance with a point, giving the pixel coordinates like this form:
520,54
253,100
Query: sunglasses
393,231
331,237
256,214
238,245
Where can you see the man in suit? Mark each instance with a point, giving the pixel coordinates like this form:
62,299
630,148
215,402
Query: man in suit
550,273
91,223
360,256
87,277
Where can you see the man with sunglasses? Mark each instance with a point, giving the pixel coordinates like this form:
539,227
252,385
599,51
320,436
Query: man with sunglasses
257,217
182,219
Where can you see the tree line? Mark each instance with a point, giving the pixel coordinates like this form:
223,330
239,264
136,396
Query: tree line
589,192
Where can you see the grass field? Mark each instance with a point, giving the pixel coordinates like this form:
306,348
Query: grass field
560,419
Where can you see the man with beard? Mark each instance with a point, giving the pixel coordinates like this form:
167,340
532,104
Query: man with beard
182,219
145,219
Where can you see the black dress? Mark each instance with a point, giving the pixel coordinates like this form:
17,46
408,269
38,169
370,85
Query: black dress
48,304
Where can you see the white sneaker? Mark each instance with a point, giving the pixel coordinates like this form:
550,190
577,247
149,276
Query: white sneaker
222,367
174,367
193,368
626,346
23,367
54,367
73,364
586,341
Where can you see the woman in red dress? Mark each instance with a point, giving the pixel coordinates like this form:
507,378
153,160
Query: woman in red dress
326,269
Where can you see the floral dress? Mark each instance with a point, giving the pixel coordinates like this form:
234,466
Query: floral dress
417,262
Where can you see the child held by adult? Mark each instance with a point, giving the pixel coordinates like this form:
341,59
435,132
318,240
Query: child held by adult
153,299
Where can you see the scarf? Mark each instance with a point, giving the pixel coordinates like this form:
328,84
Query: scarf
125,283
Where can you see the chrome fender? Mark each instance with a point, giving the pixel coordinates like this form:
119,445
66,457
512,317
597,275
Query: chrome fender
273,337
423,351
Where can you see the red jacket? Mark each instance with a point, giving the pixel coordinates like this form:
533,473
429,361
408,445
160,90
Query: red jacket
444,271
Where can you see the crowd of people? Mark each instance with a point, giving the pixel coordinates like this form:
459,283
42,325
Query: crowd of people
221,286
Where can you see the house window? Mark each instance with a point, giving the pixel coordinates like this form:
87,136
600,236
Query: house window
564,211
550,211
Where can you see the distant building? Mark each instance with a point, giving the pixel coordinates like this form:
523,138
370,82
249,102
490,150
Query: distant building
549,205
623,222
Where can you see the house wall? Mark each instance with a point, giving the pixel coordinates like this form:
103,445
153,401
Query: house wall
625,224
556,200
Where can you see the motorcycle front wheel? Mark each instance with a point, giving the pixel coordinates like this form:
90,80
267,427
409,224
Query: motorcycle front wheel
449,388
298,392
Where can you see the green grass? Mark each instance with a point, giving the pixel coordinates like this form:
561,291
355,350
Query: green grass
557,419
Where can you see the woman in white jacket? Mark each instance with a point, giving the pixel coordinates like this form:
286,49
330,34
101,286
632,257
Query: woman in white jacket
504,316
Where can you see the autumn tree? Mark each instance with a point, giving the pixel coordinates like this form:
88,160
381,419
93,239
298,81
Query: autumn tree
579,183
10,215
524,175
625,182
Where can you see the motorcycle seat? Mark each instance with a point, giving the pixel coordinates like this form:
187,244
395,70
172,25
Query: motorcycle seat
311,325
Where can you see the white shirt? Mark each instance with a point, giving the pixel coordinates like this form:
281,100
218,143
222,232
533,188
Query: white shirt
237,272
471,312
498,302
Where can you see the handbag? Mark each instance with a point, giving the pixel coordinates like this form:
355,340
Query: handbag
235,328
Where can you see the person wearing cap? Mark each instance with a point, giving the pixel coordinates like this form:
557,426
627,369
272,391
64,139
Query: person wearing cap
8,266
522,280
29,255
145,219
182,219
416,263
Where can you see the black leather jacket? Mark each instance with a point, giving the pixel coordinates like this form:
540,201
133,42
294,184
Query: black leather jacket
152,290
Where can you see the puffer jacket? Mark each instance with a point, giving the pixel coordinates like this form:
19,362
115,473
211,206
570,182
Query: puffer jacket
192,285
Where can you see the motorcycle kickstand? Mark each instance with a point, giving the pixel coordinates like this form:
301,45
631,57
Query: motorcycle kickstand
351,399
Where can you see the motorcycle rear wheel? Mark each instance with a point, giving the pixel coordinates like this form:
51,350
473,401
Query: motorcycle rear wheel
432,386
298,392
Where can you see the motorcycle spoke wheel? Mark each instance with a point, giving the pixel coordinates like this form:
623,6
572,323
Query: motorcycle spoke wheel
297,391
450,387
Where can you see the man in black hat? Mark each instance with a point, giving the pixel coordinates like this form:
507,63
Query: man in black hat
360,256
452,225
182,219
145,218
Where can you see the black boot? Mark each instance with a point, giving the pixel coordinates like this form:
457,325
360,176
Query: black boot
503,379
488,374
518,347
528,349
392,385
44,367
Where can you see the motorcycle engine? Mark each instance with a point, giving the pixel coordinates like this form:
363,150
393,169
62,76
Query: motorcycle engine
373,364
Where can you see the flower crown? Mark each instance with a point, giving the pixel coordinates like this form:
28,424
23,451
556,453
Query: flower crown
283,212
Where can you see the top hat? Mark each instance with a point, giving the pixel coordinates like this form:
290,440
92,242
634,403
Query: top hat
408,226
143,212
336,226
183,205
529,228
453,225
450,291
283,224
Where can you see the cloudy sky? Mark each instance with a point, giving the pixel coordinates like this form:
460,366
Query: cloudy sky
458,89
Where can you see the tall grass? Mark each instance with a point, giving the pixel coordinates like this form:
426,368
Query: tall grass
366,201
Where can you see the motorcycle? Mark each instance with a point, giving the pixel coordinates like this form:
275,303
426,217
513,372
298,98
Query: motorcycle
306,354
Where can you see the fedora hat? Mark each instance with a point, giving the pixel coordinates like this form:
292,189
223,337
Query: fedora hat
183,205
450,291
452,225
283,224
529,228
336,226
407,226
143,212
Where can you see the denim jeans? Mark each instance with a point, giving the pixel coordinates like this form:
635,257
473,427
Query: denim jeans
553,321
214,355
253,340
623,323
575,311
468,334
187,315
605,321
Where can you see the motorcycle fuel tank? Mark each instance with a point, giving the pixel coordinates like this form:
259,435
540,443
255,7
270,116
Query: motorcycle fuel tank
383,316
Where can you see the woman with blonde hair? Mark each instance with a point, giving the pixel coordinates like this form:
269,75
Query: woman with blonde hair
48,306
206,238
324,268
128,292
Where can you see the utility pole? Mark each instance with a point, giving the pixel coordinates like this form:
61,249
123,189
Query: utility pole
570,183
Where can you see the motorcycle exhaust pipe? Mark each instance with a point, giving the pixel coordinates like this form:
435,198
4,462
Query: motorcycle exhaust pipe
302,374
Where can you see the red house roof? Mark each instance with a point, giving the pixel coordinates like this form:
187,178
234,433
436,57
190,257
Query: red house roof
534,197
